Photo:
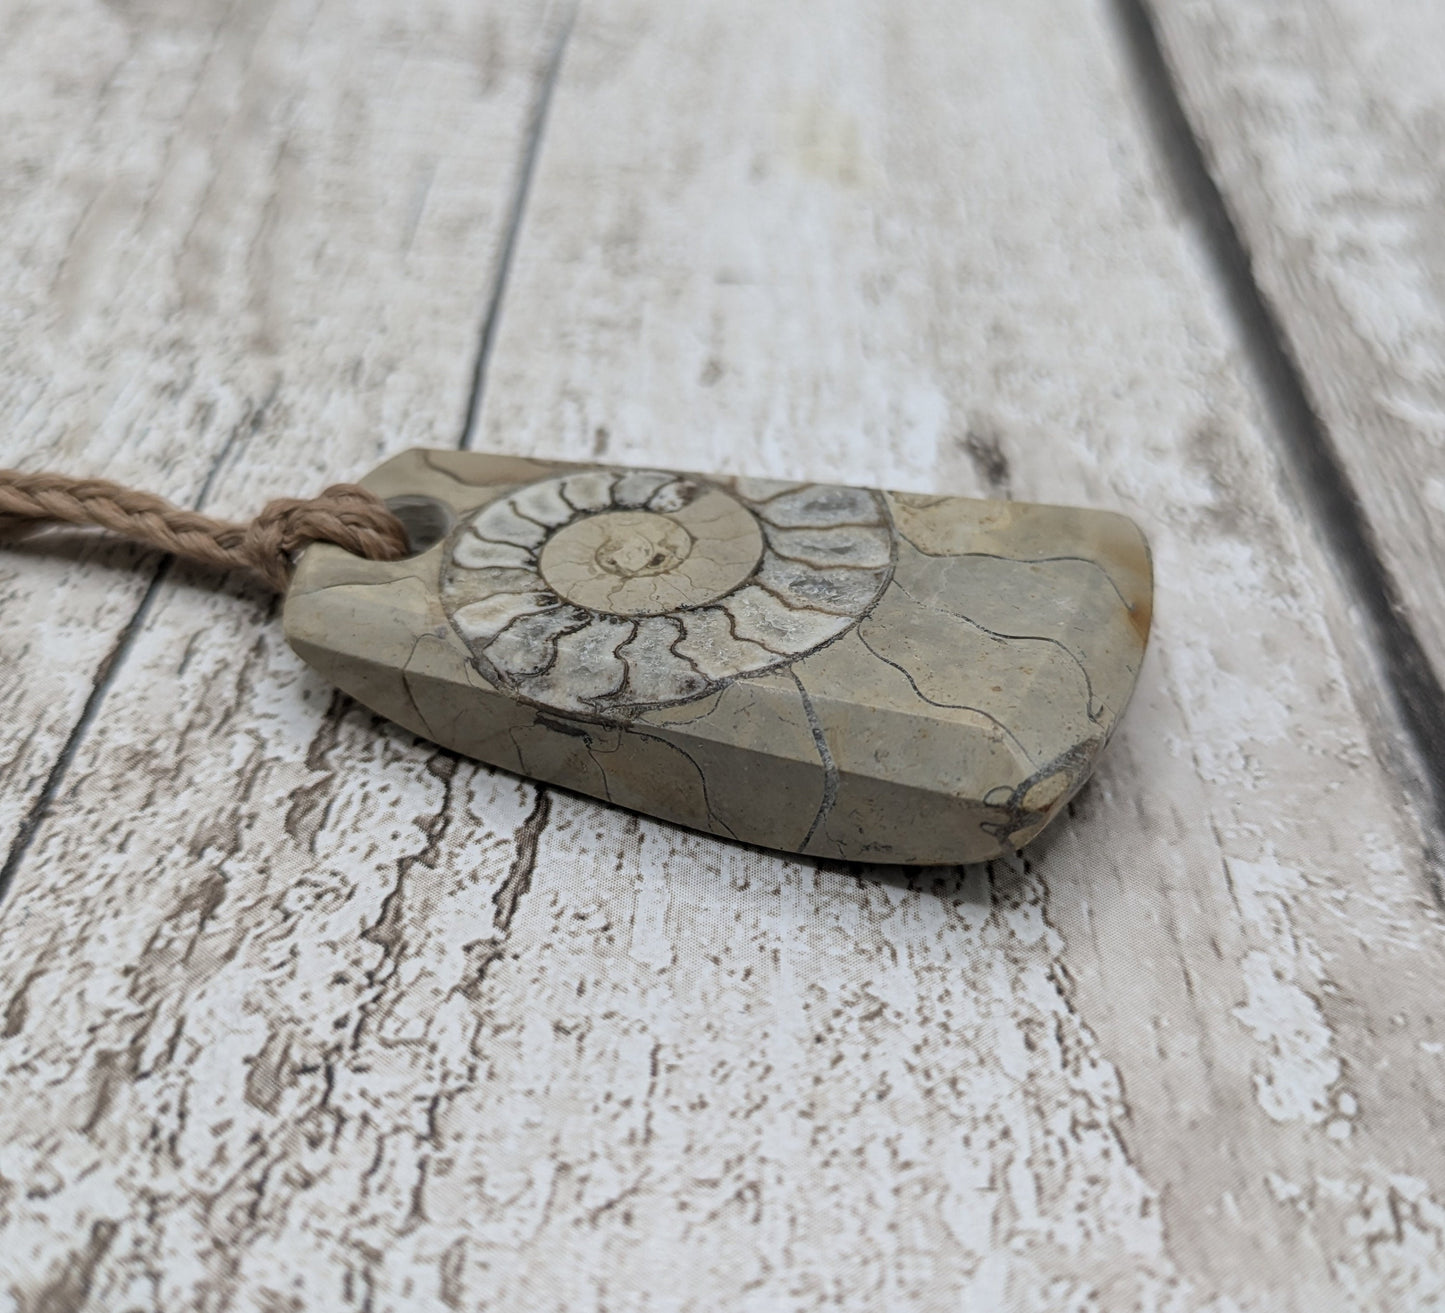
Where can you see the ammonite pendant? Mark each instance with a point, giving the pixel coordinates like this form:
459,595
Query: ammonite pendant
871,676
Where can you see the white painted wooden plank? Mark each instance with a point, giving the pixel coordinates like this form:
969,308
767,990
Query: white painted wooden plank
958,233
1323,122
241,246
300,1010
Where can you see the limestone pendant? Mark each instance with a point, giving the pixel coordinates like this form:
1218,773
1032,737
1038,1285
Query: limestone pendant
871,676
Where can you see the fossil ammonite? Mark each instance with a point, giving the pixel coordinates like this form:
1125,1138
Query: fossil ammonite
606,591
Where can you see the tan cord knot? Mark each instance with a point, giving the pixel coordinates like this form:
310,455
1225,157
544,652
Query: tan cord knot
345,514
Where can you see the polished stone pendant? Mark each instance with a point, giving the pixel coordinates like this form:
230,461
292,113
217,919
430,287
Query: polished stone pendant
872,676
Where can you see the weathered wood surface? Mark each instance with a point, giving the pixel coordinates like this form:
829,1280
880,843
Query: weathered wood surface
245,246
299,1012
1323,122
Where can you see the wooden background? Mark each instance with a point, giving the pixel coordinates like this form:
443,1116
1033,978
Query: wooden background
297,1012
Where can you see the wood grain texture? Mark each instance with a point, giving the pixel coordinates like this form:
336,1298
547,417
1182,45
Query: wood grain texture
244,244
298,1012
1324,127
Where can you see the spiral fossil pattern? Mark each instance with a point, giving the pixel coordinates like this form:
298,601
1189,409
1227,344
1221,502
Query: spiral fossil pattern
606,591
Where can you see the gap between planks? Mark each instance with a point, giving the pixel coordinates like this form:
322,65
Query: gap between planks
110,667
1329,501
516,213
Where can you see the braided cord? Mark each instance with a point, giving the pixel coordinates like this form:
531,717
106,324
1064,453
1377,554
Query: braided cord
345,514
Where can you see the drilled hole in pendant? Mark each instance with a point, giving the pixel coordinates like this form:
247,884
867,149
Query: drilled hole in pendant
426,520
